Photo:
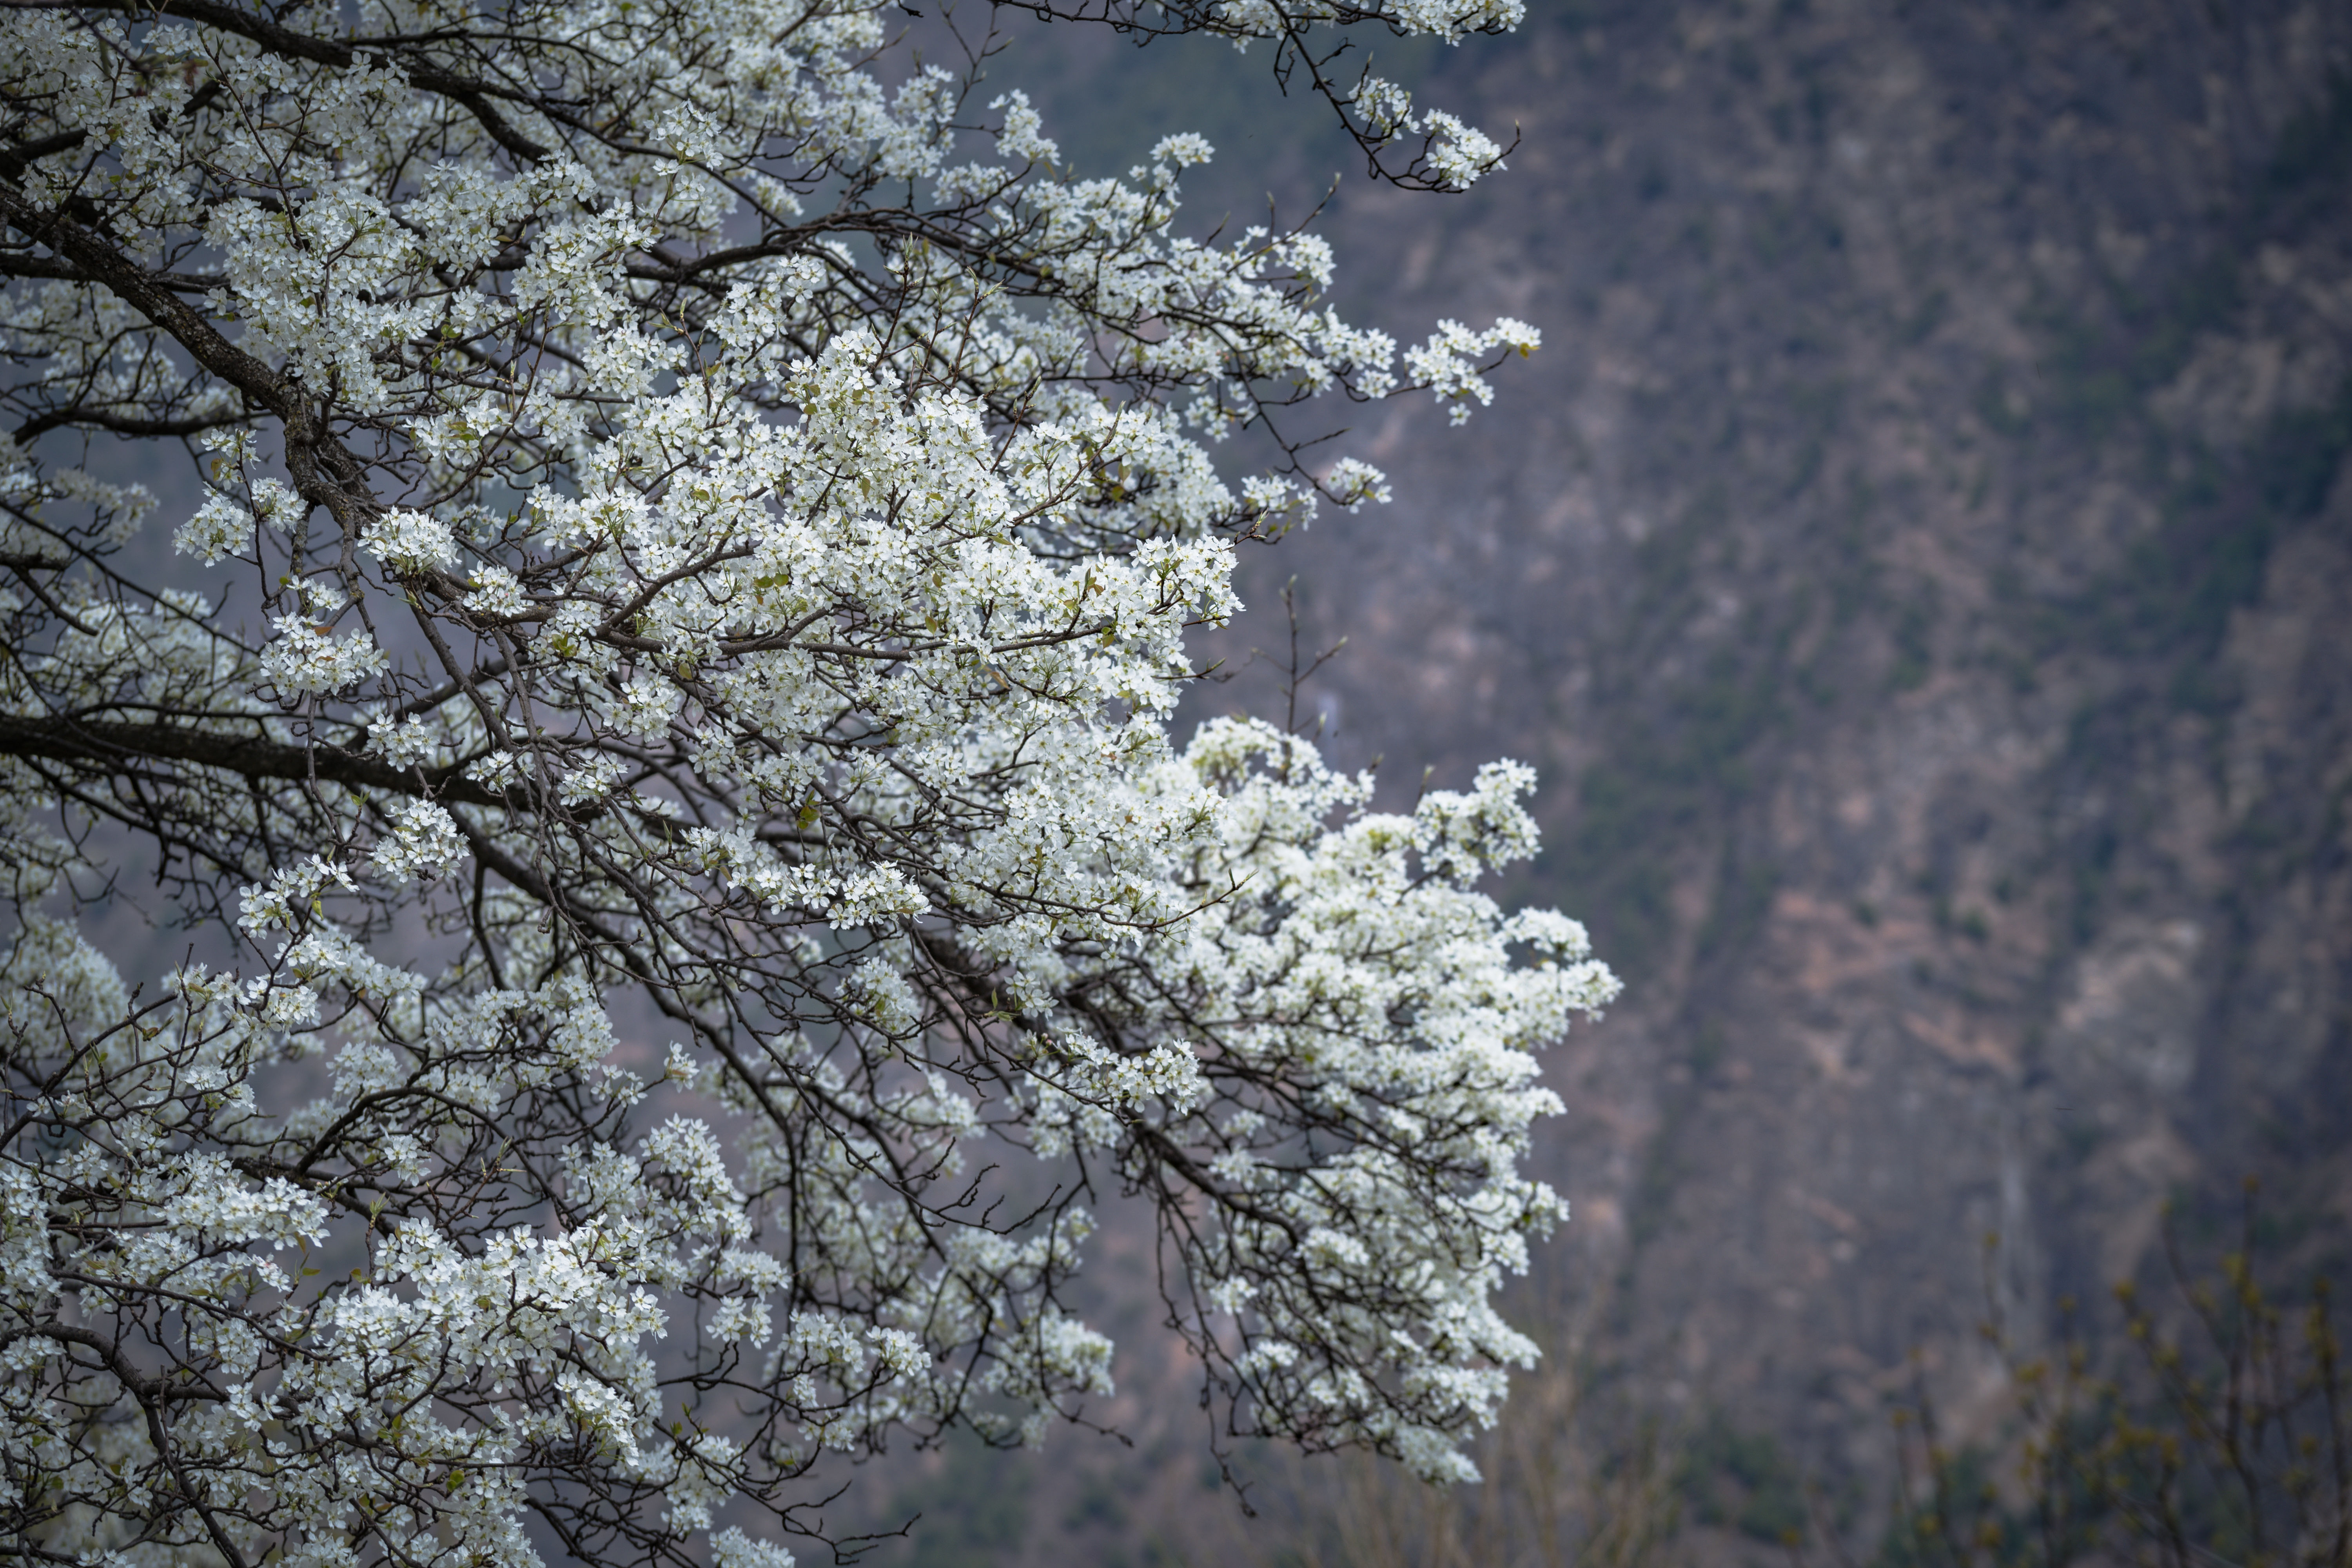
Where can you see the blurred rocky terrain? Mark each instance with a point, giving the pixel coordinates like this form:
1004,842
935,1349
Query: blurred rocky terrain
1920,565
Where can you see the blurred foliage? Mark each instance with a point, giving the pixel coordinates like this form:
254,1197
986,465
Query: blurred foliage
2224,1436
1570,1476
971,1510
1743,1480
2211,1428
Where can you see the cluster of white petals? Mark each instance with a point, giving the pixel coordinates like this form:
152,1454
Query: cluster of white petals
707,538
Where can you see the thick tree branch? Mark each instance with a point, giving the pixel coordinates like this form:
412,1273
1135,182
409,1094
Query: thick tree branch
14,160
111,745
121,424
308,445
472,94
18,264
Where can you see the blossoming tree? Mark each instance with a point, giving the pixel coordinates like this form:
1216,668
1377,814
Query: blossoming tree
662,713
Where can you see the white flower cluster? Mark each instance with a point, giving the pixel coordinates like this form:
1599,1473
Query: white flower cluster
304,659
407,541
726,533
422,841
1360,975
1456,153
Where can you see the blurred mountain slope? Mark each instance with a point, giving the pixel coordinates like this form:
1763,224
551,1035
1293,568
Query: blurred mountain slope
1918,563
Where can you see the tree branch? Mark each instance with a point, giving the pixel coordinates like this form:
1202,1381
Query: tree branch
473,95
109,743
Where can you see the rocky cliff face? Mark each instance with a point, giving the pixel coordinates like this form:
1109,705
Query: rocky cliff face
1919,562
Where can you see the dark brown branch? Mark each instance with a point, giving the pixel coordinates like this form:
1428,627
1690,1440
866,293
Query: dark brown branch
14,160
473,95
308,447
111,743
17,264
148,1392
120,425
147,293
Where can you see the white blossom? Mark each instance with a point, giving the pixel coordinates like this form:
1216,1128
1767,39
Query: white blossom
715,518
304,658
409,540
420,841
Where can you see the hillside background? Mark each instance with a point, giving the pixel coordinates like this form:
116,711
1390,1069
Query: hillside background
1919,562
